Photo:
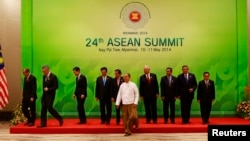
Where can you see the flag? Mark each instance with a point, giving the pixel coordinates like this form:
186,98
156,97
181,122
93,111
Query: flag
4,94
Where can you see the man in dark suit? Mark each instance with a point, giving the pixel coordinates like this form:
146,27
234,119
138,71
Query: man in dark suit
187,85
50,85
103,92
168,95
116,82
29,97
206,96
149,91
80,94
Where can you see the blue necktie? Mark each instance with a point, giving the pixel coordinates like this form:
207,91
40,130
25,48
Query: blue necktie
104,81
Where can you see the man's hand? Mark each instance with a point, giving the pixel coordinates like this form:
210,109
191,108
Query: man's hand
191,90
117,106
141,98
198,101
74,96
82,96
97,99
112,99
32,99
163,97
157,95
46,89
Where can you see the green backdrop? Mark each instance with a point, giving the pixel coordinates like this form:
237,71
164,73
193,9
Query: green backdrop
205,35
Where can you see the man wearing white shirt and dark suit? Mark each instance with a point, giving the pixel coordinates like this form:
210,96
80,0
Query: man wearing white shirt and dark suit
206,96
129,95
103,92
149,92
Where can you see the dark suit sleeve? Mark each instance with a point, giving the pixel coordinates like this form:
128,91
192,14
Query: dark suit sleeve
213,90
33,88
141,87
110,86
194,83
55,83
176,88
199,91
96,89
83,84
178,85
113,88
156,85
162,87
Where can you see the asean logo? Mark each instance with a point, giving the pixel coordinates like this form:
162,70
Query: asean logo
135,15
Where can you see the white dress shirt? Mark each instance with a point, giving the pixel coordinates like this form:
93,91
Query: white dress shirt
128,94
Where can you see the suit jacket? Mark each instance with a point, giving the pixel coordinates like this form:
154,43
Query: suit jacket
103,92
169,91
206,93
149,91
81,86
51,83
29,87
184,86
115,87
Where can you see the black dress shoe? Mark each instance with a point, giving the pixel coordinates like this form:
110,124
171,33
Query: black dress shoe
82,122
155,122
108,123
102,122
41,126
61,122
173,122
147,122
127,134
31,124
165,122
117,123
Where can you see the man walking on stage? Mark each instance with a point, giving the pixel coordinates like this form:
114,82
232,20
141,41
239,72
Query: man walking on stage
129,96
29,97
50,85
80,94
117,81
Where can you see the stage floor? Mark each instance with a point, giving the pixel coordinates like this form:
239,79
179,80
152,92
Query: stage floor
93,126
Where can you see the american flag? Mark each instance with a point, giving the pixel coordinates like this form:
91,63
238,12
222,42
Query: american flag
4,95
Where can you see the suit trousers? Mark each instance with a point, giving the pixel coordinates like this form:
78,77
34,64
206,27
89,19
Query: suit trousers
186,104
118,115
106,108
29,110
150,109
169,104
205,108
47,105
81,109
